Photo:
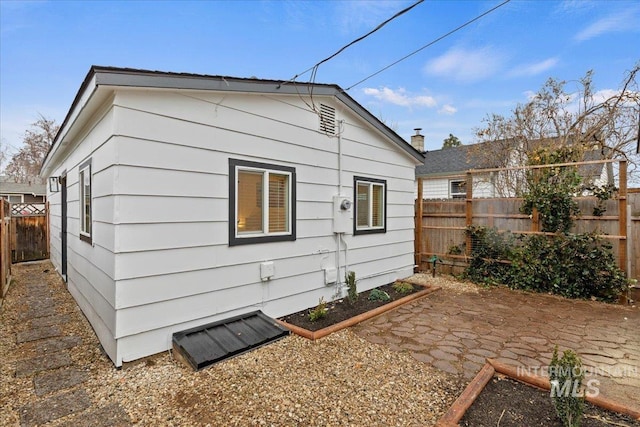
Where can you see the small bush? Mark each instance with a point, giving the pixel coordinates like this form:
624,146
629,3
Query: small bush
350,280
319,312
378,295
488,249
566,377
570,265
402,287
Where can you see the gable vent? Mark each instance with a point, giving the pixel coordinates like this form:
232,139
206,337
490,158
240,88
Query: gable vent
327,119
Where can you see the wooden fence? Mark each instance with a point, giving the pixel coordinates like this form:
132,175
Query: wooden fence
441,225
5,249
634,233
29,233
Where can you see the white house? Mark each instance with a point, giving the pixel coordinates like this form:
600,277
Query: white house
186,199
22,192
444,171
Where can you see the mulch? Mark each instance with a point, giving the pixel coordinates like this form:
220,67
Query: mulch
342,309
509,403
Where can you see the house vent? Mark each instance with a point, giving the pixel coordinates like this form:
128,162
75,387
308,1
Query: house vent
327,119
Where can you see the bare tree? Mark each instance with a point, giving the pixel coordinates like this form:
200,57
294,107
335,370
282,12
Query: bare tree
25,164
4,148
554,117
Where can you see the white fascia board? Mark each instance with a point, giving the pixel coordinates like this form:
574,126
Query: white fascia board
61,141
145,79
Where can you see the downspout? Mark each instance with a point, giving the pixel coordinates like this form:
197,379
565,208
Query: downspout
340,127
339,279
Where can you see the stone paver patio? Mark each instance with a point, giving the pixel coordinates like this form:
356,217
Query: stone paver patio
457,331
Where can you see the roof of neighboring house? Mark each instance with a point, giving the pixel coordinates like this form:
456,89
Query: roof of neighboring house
458,160
100,77
9,186
448,161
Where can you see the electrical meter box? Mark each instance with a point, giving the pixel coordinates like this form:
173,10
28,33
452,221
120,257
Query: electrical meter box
342,214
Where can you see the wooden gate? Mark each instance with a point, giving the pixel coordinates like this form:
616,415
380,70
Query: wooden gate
29,232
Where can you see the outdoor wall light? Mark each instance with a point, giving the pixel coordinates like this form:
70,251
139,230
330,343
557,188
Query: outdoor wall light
54,184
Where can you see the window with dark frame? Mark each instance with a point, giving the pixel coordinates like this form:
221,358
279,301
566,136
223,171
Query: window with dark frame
370,204
84,184
262,202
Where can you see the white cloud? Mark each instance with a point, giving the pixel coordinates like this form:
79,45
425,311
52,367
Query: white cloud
467,65
448,110
535,68
604,94
626,20
400,97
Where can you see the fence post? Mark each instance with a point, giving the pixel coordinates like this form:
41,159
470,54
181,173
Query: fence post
3,249
418,225
535,220
622,213
469,211
48,229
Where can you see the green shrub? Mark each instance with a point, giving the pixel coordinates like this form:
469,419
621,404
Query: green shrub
378,295
551,190
402,287
570,265
352,293
488,249
566,377
319,312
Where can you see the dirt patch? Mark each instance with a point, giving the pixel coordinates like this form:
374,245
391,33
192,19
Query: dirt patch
342,309
509,403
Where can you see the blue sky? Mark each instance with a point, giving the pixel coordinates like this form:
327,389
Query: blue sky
47,47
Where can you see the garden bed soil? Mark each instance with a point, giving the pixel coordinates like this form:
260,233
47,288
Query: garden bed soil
341,309
510,403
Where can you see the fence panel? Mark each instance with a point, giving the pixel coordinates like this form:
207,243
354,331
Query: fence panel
444,221
5,249
634,233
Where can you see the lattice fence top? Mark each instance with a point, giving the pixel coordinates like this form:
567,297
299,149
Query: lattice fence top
28,209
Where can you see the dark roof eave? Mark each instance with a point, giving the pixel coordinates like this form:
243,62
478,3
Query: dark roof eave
130,77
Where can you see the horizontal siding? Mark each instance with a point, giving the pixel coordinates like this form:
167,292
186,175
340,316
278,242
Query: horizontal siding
435,189
160,259
172,207
90,267
92,310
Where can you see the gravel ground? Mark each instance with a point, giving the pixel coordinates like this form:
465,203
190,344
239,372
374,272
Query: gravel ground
340,380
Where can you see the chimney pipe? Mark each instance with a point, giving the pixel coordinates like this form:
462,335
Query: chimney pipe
417,140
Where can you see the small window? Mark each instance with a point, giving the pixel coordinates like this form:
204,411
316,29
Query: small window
261,203
370,197
84,182
458,189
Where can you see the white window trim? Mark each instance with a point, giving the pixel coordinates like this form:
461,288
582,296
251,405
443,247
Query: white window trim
452,194
236,238
265,201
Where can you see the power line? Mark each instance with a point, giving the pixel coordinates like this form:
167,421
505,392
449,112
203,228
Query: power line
430,44
315,67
